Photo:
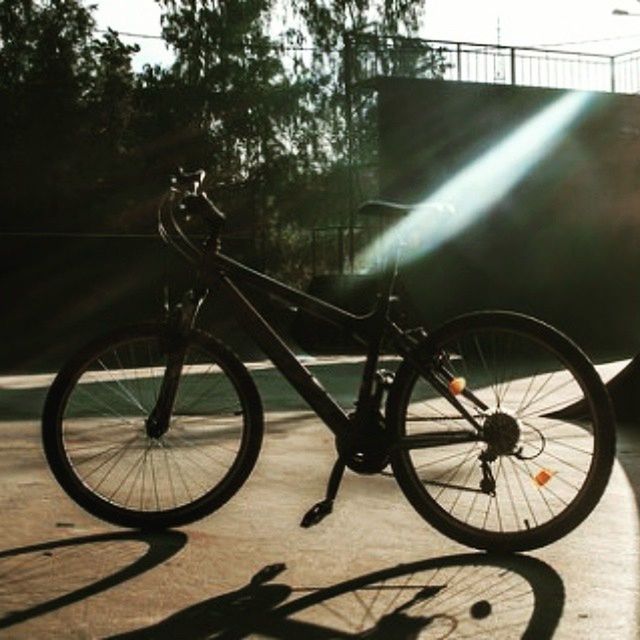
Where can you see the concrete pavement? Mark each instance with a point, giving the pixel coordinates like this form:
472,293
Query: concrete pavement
373,569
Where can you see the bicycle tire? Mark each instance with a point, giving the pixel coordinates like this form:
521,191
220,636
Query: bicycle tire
96,444
564,463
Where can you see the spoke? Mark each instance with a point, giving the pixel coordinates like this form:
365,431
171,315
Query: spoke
465,484
143,493
471,506
435,408
207,387
454,474
185,458
450,457
544,497
496,497
566,463
117,455
169,476
192,460
455,588
522,490
399,589
138,466
103,429
139,377
525,397
136,375
168,446
537,398
198,449
557,405
104,405
549,424
539,489
367,610
126,394
523,407
490,378
559,440
465,366
506,380
78,461
514,508
153,476
124,479
486,513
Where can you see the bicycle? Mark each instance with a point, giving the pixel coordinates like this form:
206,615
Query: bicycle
496,426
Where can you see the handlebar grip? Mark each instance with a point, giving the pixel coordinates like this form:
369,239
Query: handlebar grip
192,180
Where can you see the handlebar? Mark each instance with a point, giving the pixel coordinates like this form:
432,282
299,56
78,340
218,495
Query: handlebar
194,201
187,215
193,179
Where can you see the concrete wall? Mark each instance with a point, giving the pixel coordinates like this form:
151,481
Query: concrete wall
564,242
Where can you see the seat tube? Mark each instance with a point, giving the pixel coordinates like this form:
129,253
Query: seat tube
378,328
377,332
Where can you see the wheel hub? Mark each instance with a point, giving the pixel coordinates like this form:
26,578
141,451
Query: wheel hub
501,432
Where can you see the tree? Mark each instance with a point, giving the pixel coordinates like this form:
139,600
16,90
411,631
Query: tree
65,106
270,99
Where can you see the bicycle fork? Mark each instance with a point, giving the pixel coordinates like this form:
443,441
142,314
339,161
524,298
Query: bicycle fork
181,321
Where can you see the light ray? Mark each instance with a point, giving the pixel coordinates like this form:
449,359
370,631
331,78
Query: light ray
478,186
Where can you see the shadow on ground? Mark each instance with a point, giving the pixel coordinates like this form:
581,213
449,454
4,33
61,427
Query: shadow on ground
40,578
472,594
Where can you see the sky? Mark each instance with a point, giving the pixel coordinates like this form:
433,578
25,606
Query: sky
578,25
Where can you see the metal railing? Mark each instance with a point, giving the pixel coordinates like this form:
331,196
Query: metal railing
626,72
492,63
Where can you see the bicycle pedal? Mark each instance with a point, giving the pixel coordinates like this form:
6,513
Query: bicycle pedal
317,513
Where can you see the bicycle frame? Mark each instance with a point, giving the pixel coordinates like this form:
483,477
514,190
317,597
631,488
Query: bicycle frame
371,329
222,272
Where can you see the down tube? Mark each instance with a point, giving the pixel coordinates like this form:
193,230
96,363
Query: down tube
302,380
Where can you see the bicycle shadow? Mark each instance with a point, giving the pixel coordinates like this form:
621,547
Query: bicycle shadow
26,572
473,595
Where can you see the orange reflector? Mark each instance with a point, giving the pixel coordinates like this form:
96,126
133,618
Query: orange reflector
542,477
457,385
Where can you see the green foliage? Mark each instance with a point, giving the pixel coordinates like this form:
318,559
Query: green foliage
65,106
256,96
267,81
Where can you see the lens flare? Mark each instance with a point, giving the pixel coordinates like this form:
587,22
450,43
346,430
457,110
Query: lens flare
478,186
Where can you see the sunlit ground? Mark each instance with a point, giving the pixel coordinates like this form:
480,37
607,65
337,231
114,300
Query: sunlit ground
374,569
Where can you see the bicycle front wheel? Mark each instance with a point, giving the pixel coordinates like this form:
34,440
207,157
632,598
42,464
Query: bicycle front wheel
515,447
98,445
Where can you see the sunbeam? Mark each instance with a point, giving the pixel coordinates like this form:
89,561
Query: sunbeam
478,186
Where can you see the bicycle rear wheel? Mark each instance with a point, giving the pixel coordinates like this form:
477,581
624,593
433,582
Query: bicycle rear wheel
533,470
99,449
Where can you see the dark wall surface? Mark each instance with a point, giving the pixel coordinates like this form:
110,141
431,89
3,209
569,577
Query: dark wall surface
57,293
562,244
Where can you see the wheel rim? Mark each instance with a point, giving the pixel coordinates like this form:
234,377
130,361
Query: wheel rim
522,383
105,441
